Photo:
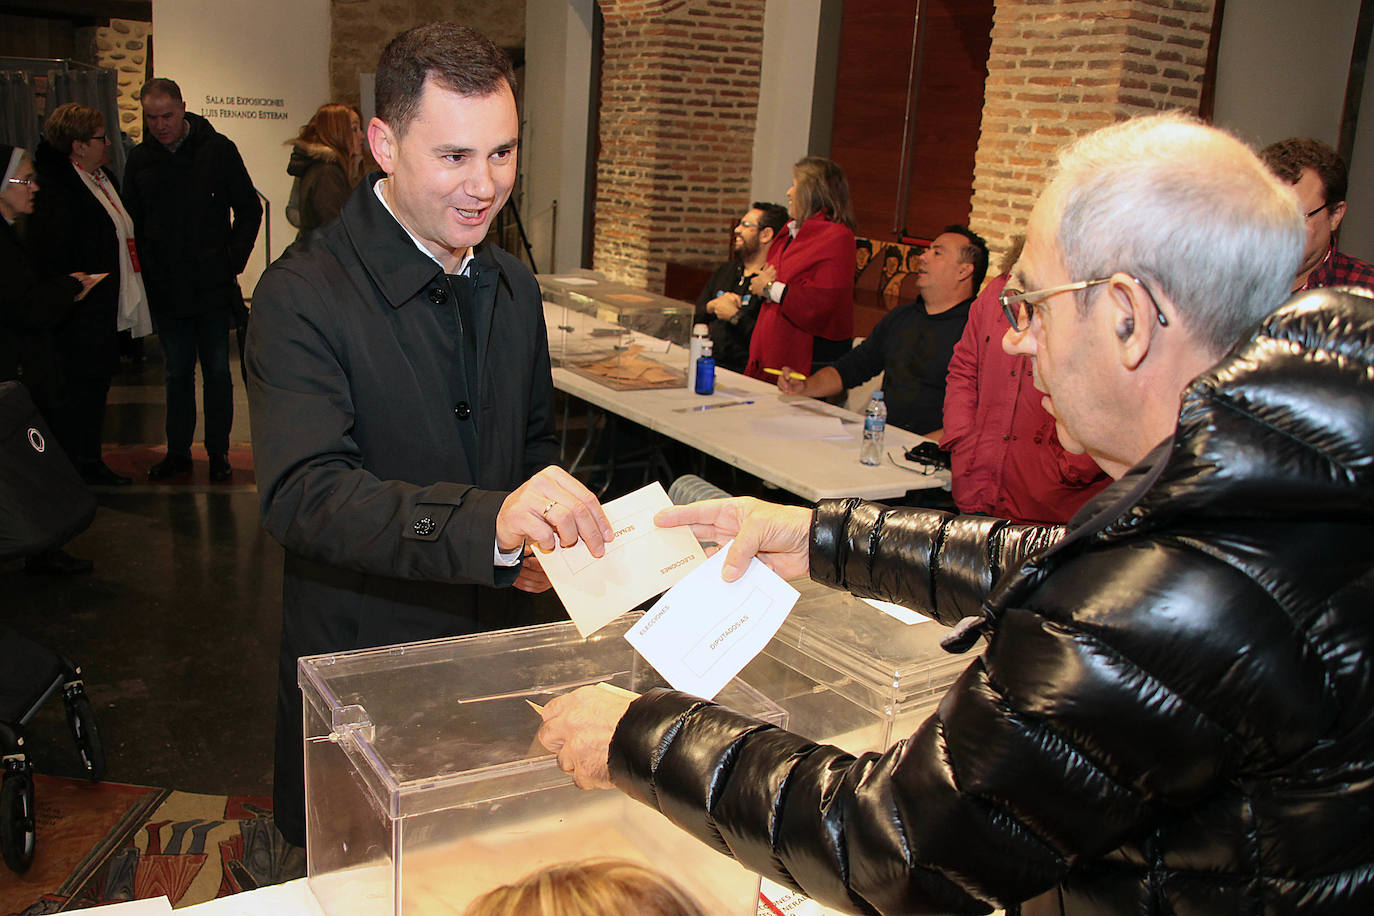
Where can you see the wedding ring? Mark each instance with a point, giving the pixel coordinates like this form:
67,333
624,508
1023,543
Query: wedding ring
545,513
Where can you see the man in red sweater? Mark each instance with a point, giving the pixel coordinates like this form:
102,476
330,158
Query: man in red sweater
1005,456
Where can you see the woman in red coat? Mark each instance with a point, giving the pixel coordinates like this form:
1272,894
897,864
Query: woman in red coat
807,318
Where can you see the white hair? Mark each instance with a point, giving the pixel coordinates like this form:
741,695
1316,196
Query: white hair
1187,209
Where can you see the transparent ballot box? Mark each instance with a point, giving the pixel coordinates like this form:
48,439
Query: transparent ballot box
426,786
851,675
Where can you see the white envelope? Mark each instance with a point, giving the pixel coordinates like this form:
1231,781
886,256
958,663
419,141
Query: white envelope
705,630
642,561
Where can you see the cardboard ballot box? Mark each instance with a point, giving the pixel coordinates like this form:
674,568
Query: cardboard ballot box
426,787
851,675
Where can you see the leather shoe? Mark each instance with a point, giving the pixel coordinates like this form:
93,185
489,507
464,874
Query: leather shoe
57,563
171,466
220,471
98,473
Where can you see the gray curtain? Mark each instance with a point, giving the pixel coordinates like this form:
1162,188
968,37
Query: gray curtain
95,87
18,113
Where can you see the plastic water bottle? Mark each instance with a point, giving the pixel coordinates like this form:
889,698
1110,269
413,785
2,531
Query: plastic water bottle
706,370
700,334
875,428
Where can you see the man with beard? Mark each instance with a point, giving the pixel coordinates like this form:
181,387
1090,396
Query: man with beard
725,305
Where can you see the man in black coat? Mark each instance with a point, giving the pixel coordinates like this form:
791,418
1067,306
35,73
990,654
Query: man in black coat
402,401
197,216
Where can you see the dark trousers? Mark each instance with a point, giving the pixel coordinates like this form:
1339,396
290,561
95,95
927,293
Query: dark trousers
184,340
87,348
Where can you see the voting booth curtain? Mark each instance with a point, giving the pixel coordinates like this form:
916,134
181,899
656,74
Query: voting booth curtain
30,89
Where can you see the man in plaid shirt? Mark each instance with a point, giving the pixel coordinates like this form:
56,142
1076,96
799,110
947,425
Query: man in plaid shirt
1319,176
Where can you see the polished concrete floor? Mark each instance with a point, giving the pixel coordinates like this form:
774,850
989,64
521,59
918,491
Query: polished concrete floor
177,627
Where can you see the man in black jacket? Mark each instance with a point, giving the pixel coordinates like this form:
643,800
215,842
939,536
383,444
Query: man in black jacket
725,305
401,391
1174,712
196,216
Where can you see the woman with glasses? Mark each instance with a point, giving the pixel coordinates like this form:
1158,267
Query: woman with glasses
31,303
80,224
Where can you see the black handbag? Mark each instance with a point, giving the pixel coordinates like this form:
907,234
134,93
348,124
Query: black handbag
43,501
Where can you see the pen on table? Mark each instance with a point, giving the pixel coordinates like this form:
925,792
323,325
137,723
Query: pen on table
796,375
721,404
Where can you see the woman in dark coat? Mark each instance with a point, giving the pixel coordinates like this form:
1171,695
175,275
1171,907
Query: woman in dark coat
79,224
325,161
30,305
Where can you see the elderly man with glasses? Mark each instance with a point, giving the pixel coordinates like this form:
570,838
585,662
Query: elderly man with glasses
1319,178
1174,710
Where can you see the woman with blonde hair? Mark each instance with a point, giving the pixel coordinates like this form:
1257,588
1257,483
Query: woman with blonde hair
80,224
807,318
326,161
594,887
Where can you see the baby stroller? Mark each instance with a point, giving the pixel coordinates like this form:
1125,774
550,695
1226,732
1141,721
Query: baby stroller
32,674
43,504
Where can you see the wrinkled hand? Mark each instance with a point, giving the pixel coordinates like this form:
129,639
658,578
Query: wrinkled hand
778,535
552,507
578,727
724,306
532,577
789,385
759,285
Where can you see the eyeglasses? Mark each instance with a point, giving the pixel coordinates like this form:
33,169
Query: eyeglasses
745,224
1010,297
27,182
1313,213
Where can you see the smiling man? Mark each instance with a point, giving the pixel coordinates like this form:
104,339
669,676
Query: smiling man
1172,712
402,403
912,344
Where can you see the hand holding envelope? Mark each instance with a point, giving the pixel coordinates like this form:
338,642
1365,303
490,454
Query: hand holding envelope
639,562
778,535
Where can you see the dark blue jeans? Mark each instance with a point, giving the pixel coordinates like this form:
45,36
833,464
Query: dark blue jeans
183,341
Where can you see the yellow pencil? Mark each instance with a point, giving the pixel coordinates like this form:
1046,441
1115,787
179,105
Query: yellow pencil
796,375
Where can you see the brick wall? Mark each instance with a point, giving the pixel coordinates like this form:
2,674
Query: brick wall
360,29
1061,68
679,99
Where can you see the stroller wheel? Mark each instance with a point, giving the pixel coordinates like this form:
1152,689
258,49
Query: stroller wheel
87,736
17,834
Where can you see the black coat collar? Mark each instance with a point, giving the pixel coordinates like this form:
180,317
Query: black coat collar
388,254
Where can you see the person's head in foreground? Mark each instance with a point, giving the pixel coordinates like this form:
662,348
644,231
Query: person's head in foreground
594,887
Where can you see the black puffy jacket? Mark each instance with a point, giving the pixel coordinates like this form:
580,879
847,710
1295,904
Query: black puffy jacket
1175,709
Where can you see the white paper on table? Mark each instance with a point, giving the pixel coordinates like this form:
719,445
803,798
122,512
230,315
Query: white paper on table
705,630
785,900
290,899
802,426
576,281
640,562
905,615
150,906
